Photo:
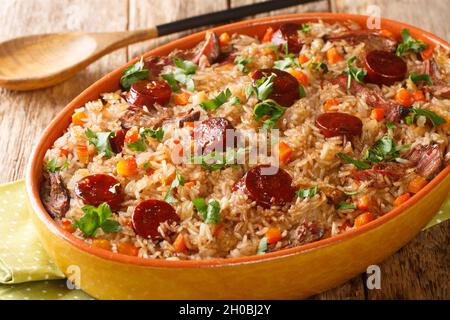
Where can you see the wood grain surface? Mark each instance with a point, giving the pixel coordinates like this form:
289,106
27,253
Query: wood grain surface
418,271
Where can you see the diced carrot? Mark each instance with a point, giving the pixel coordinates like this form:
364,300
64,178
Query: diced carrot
362,202
127,248
301,77
418,95
386,33
284,152
188,124
404,97
416,184
132,135
401,199
377,114
273,235
427,53
67,225
127,167
102,243
79,118
363,218
302,59
181,99
268,35
179,245
82,153
330,106
176,141
189,184
63,152
224,39
333,56
217,229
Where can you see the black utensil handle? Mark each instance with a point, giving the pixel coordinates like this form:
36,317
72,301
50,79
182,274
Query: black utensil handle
226,15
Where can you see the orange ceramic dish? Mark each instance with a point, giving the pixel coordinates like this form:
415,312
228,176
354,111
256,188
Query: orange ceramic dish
290,273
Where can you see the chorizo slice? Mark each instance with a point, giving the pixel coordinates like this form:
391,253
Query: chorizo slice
288,33
118,140
384,67
268,186
147,93
211,134
99,188
155,65
333,124
149,214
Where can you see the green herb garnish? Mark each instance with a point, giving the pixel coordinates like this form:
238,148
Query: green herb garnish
307,193
354,72
210,212
52,166
384,150
182,74
214,161
262,246
216,102
390,125
351,193
346,205
305,27
301,91
157,134
288,61
242,63
134,73
178,181
434,118
316,66
139,145
95,218
421,77
409,44
101,141
357,163
270,111
235,101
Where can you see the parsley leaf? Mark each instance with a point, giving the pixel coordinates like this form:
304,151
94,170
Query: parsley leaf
216,102
435,119
357,163
187,66
316,66
346,205
301,91
270,110
264,86
95,218
383,150
134,73
101,141
182,74
305,27
421,77
242,63
409,44
210,212
288,61
139,145
235,101
354,72
157,134
170,79
52,166
390,125
178,181
216,161
262,246
306,193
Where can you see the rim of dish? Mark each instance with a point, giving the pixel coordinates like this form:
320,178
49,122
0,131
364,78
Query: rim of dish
32,176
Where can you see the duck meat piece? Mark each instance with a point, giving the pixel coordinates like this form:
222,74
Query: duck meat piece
190,117
139,117
57,198
376,175
427,159
308,232
372,39
439,88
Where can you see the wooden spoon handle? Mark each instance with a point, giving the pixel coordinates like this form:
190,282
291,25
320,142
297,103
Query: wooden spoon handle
117,40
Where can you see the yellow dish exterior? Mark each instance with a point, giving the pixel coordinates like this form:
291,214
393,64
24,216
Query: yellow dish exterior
286,274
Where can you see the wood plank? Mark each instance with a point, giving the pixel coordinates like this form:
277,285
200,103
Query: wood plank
145,14
420,269
23,116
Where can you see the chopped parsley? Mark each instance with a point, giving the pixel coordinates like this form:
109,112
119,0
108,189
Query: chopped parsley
307,193
178,181
95,218
101,141
435,119
316,66
242,63
288,61
269,111
52,166
409,44
346,206
351,193
305,27
157,134
235,101
354,72
414,77
214,161
262,246
216,102
384,150
390,125
182,74
301,91
139,145
210,212
134,73
357,163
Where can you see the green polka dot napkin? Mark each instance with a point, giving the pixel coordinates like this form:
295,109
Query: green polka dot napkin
25,268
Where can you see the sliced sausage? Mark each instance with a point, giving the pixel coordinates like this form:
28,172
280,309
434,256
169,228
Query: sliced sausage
288,33
117,141
211,134
428,159
147,93
267,188
333,124
155,65
371,38
384,67
285,87
210,48
55,197
99,188
149,214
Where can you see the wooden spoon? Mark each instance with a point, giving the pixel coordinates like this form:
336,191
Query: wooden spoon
40,61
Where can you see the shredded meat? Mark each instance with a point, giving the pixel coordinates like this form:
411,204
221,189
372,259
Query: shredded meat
190,117
308,232
439,88
57,199
376,175
139,117
428,159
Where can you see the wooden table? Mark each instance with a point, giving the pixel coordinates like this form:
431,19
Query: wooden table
418,271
